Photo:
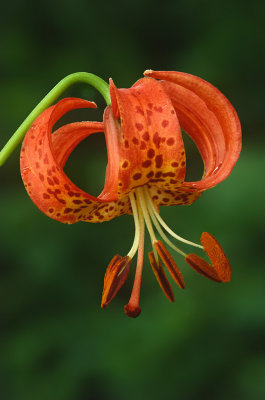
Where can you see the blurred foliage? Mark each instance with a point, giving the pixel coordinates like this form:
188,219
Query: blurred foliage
56,342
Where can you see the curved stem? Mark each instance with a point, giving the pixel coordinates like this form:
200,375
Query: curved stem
49,99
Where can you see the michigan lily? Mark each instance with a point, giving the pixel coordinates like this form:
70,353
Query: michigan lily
146,170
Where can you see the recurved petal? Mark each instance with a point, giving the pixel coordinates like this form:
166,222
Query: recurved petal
211,121
43,155
145,144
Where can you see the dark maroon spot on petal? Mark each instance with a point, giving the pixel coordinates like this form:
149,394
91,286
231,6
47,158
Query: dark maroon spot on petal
158,174
126,144
159,161
46,160
46,196
139,126
158,109
51,210
146,136
50,191
111,208
67,187
68,210
70,193
139,110
169,174
41,177
77,210
125,164
135,140
175,164
165,123
87,201
150,174
56,180
50,181
146,163
172,111
165,199
151,153
182,163
62,201
57,191
156,140
137,176
77,201
173,181
170,141
155,197
182,153
143,145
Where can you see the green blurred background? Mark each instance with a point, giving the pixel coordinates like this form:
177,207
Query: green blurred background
56,342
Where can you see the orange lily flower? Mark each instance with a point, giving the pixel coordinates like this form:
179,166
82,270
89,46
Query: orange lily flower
146,169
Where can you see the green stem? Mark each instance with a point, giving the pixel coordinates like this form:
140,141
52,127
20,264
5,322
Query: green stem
49,99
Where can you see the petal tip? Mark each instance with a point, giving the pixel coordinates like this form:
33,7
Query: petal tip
148,72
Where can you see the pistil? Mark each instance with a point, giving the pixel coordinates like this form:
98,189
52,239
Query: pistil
132,309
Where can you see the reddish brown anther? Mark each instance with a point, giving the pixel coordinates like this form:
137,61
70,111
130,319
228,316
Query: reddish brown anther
220,270
202,267
217,256
115,277
170,264
161,277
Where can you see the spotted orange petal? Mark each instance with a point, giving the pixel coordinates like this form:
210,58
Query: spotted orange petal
43,156
145,142
211,121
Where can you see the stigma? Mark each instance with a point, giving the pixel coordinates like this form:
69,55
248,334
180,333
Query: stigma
146,215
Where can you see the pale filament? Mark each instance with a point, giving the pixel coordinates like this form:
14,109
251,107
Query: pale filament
162,222
135,244
144,209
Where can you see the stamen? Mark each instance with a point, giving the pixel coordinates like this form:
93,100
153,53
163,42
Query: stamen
220,271
162,222
161,277
115,276
161,233
202,267
170,264
137,227
132,309
217,256
140,194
